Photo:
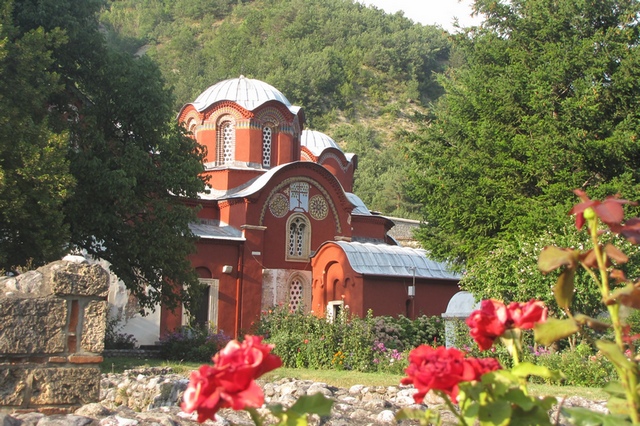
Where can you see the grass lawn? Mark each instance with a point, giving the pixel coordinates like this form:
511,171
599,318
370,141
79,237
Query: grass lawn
343,379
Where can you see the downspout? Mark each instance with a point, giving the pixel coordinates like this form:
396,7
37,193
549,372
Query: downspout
239,280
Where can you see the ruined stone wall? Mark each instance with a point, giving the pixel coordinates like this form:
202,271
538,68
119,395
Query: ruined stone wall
52,326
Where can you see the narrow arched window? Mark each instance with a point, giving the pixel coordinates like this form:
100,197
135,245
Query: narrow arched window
226,143
299,294
298,238
267,138
296,295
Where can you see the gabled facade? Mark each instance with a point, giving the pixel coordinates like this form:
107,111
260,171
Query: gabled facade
279,223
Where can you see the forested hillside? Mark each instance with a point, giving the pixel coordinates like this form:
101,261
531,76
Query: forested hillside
361,75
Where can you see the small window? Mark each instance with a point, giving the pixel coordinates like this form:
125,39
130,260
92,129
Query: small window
298,238
334,309
206,311
267,138
296,295
226,143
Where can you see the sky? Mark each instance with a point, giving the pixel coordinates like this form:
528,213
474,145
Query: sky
429,12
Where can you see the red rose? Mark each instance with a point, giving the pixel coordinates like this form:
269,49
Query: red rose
488,322
483,365
229,383
441,369
525,315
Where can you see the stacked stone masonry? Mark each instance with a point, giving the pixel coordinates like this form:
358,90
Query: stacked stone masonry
52,326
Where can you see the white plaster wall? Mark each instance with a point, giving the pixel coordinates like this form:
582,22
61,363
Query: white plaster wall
146,329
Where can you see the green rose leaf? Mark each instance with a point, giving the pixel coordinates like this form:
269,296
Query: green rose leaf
427,417
615,388
554,329
618,405
563,290
499,382
470,412
552,258
312,404
526,369
497,413
628,295
614,354
537,416
585,417
518,397
591,323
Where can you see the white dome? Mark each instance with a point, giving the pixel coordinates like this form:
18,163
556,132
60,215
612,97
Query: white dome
461,304
246,92
317,141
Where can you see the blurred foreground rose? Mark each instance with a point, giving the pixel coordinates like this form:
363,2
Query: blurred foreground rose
443,369
229,383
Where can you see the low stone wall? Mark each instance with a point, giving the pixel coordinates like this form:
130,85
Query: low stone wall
142,353
52,326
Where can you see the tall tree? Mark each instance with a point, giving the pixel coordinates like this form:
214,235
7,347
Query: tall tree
34,173
544,101
112,119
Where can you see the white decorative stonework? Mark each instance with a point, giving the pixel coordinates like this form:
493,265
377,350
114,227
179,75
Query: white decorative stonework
279,205
299,197
318,207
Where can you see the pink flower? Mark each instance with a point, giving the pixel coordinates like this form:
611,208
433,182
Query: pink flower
229,383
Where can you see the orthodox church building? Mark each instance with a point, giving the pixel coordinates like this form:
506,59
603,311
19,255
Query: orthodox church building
279,223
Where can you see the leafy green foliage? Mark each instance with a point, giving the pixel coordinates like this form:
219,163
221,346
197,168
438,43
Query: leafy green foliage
193,344
543,102
348,343
35,179
581,366
510,272
99,161
343,50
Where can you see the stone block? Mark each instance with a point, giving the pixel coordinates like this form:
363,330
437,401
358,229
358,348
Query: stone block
75,386
30,283
13,382
94,326
31,326
77,279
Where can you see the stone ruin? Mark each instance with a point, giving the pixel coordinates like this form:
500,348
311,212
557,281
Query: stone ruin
52,326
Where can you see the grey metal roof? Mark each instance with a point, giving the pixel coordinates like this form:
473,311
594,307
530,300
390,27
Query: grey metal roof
383,259
246,92
216,230
317,141
361,208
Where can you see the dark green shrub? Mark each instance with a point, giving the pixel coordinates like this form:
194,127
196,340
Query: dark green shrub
195,344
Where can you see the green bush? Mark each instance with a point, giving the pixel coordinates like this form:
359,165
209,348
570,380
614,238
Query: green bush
581,366
193,344
349,342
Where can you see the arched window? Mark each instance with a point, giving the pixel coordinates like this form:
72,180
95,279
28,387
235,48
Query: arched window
299,294
296,295
226,143
298,238
267,138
